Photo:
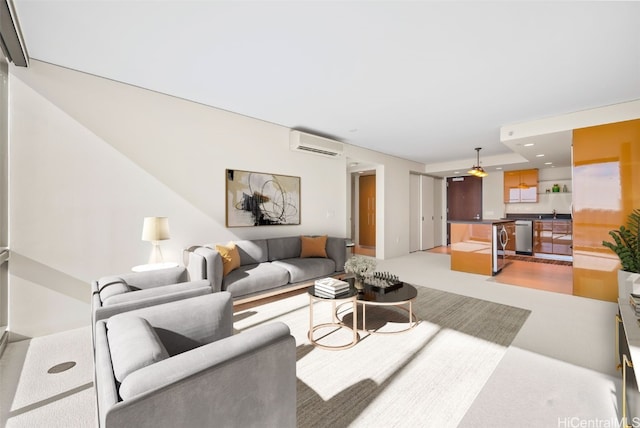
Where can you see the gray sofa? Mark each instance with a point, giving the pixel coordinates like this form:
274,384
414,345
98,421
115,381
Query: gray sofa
266,265
179,364
115,294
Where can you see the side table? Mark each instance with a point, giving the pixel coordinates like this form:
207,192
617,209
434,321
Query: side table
351,296
153,266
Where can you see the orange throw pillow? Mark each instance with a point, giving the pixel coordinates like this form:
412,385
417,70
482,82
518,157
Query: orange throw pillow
230,257
313,247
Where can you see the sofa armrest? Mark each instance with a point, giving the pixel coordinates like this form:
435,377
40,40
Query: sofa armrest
218,383
337,250
103,379
206,260
155,278
101,312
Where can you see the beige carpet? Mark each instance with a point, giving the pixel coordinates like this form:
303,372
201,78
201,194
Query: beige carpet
33,397
428,376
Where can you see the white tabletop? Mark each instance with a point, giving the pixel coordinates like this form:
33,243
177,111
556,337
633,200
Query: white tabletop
153,266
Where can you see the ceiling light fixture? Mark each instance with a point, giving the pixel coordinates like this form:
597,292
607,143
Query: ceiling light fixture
477,170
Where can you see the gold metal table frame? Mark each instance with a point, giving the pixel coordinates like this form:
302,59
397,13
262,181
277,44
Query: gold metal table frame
336,324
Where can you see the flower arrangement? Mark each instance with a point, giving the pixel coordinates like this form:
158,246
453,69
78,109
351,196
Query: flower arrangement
360,266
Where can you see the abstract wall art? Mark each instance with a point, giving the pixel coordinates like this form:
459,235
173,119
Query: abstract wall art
259,199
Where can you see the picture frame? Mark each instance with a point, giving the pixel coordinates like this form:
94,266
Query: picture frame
261,199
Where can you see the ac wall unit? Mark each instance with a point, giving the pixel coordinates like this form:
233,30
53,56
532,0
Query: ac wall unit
301,141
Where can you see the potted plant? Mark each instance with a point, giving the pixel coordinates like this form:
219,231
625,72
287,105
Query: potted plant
627,246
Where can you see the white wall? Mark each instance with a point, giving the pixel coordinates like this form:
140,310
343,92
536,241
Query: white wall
493,206
91,157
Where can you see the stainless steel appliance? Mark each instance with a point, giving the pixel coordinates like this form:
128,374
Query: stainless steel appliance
501,238
524,237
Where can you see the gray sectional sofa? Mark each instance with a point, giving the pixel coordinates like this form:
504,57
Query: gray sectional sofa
270,264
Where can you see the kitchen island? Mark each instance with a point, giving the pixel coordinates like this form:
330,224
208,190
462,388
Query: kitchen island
476,246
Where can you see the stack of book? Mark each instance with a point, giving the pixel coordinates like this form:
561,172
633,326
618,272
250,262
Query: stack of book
634,299
331,288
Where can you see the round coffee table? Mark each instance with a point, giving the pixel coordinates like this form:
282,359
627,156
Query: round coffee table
398,297
350,297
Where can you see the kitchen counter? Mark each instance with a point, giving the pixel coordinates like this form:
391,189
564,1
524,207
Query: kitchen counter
482,221
473,244
539,216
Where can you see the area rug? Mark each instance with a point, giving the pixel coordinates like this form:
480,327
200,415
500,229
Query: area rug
428,376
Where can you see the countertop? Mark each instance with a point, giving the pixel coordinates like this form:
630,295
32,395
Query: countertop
482,221
538,216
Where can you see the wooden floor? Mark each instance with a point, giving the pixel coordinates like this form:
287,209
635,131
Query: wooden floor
543,276
364,251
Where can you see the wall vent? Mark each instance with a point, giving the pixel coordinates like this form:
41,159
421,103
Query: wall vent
301,141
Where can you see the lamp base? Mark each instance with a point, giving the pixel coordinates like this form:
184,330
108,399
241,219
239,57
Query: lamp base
156,253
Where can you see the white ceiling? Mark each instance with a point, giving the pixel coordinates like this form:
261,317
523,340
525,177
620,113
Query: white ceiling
425,81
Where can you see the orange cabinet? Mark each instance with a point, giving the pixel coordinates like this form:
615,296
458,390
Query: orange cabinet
521,186
606,173
562,238
543,236
553,237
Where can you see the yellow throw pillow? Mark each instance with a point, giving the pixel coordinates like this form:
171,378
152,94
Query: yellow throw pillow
313,247
230,257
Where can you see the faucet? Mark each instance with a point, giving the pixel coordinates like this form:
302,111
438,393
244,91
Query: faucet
554,214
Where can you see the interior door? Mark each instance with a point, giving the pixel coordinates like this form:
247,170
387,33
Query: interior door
464,200
437,209
367,208
415,214
427,235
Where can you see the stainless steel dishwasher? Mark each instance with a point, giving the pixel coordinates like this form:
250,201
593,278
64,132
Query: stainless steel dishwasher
524,237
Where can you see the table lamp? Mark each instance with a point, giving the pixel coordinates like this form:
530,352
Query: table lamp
155,229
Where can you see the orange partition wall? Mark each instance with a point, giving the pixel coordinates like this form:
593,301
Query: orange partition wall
606,188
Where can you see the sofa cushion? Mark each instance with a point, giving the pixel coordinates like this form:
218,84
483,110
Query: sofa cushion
283,248
110,286
157,291
253,278
304,269
313,246
252,252
133,344
230,257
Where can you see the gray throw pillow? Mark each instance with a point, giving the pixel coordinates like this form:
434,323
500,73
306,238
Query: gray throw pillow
133,344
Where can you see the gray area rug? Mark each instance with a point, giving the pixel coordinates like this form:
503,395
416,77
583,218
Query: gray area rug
428,376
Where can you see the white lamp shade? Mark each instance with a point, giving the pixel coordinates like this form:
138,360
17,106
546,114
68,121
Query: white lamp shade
155,229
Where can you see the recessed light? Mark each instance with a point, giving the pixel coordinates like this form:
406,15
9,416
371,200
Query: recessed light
456,172
353,130
530,144
548,163
353,164
498,167
540,156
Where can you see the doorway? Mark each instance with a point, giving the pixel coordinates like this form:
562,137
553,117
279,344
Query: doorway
366,215
464,200
425,212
